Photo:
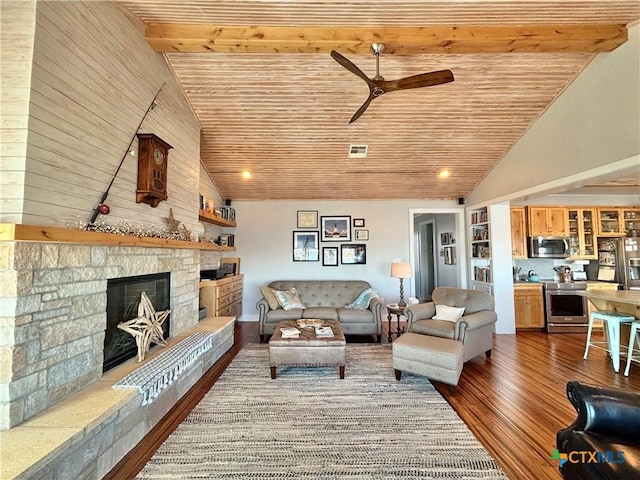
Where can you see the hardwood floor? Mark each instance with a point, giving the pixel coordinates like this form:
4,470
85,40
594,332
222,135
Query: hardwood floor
514,402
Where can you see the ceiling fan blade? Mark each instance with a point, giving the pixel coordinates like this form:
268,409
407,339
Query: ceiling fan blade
418,81
361,110
349,65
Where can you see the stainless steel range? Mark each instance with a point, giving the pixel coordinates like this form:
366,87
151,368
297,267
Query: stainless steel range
566,310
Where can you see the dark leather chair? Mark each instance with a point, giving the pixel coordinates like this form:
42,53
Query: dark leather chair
604,441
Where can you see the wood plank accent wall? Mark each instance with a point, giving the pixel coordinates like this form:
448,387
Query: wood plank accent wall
17,26
93,78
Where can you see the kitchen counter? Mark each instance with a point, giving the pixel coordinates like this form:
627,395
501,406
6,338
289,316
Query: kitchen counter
623,301
614,297
549,280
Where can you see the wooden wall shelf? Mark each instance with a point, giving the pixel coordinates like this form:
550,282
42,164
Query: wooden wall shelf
12,232
215,219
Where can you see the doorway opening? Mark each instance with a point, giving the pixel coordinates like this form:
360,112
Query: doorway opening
437,250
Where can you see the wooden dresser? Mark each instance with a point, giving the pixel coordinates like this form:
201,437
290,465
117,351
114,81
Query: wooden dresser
223,298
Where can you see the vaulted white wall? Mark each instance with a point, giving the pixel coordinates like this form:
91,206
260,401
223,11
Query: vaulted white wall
593,127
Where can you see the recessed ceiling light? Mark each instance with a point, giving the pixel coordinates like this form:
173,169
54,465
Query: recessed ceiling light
246,173
444,173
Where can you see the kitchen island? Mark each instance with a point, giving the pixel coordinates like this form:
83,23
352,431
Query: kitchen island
623,301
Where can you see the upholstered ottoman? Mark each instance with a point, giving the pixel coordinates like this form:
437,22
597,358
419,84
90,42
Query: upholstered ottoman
307,350
436,358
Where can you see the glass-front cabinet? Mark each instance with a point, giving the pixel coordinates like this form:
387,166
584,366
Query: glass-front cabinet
582,234
609,222
617,222
631,221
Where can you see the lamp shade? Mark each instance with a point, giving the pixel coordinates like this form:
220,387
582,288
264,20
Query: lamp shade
401,270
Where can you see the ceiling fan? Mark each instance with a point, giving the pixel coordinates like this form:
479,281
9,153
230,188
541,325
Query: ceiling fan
378,85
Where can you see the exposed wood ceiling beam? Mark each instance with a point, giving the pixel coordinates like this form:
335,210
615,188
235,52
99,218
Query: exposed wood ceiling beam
399,40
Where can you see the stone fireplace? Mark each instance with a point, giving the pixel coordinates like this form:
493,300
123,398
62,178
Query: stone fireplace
53,304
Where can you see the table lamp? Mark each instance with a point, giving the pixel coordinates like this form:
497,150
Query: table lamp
401,270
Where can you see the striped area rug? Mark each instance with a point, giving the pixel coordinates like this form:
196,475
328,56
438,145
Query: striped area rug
308,423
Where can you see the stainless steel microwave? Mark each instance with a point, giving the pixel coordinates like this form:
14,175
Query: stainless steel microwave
548,247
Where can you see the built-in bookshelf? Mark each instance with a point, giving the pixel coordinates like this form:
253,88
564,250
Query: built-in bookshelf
205,216
480,250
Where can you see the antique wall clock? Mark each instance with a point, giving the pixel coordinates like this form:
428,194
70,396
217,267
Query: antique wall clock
152,169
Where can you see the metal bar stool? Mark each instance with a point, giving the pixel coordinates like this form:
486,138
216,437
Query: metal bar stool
612,320
633,337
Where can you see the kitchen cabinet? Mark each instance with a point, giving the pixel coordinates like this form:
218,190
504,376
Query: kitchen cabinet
616,222
528,306
518,232
223,298
547,221
609,224
582,236
631,221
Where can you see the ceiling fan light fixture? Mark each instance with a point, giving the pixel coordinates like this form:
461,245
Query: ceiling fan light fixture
378,86
246,173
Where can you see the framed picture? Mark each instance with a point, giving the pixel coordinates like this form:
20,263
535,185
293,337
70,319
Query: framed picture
307,219
226,239
330,256
353,254
446,238
449,255
361,235
336,229
358,222
306,247
235,263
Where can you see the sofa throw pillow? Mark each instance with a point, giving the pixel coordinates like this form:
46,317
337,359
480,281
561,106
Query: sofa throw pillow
289,299
267,293
363,300
447,313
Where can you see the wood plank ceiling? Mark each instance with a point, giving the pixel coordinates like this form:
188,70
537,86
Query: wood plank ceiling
271,99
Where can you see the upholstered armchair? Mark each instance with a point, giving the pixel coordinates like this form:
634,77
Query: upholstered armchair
474,328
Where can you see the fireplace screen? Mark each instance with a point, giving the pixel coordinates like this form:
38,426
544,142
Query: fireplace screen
123,298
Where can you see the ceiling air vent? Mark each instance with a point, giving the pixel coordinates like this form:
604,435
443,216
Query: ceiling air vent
357,151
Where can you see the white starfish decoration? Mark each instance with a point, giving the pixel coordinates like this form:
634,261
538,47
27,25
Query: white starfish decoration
146,327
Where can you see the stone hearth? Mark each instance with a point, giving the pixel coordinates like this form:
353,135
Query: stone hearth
86,435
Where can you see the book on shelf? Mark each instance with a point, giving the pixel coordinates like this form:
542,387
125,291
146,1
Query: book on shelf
228,213
290,332
324,332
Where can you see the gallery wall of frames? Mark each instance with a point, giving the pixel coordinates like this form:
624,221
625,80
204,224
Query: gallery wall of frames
333,239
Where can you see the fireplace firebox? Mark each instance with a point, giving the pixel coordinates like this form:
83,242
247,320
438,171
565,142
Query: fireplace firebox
123,298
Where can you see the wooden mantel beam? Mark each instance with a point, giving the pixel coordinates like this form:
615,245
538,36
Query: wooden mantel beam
398,40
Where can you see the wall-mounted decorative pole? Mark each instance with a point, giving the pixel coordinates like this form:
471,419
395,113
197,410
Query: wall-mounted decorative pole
102,207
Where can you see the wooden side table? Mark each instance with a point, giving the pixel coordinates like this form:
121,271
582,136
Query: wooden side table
395,309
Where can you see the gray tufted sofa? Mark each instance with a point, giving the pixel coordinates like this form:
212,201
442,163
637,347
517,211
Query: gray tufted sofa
324,299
